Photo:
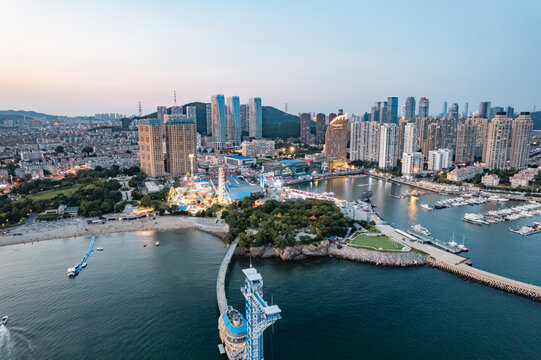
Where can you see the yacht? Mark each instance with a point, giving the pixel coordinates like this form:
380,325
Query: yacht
420,230
427,206
4,320
452,243
157,243
461,247
99,249
83,264
71,272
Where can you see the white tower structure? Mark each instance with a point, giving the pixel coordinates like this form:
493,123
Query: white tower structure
221,186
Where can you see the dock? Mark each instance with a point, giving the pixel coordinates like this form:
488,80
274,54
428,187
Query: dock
433,241
77,269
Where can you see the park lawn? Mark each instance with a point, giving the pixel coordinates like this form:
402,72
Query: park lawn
49,194
376,242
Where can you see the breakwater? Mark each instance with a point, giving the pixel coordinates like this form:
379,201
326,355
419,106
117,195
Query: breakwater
466,272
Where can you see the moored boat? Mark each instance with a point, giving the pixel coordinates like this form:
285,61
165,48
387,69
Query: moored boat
4,320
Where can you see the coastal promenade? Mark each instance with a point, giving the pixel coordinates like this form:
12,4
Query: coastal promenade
220,283
456,265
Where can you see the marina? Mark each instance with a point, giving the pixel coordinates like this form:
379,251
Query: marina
74,271
535,228
501,215
423,235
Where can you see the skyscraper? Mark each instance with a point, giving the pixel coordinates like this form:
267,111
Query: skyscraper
244,118
521,137
444,110
388,141
305,127
219,122
497,146
453,110
392,110
320,129
410,138
181,145
481,135
494,110
484,109
423,107
191,113
336,138
465,142
233,120
466,106
151,147
255,118
208,117
410,108
510,111
364,140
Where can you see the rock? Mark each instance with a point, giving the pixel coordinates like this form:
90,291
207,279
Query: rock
269,252
257,251
378,257
322,249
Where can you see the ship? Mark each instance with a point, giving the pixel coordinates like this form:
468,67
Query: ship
452,243
418,229
232,330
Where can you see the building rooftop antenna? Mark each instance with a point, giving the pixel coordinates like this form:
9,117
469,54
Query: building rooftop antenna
175,97
286,108
140,109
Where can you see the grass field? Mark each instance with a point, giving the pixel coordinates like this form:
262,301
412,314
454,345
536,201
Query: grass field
49,194
376,242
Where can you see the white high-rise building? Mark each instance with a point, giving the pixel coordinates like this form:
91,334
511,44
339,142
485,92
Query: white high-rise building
411,135
439,159
255,118
497,145
364,140
388,145
412,163
521,137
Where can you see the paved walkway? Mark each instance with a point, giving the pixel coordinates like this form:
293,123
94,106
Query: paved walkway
220,283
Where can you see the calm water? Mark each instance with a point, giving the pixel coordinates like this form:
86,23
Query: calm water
135,302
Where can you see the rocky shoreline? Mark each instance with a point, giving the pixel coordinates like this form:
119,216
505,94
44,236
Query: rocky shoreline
324,248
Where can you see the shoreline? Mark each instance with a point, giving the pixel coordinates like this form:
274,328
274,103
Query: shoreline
66,228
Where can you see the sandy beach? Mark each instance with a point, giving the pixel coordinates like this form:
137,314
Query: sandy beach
65,228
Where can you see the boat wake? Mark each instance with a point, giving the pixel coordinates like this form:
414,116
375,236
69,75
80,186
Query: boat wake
6,343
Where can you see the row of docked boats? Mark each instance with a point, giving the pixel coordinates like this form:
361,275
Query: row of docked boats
423,233
535,228
509,214
463,201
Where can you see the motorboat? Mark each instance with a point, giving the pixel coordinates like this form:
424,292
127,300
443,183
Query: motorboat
83,264
452,243
157,243
427,206
71,272
144,245
4,320
99,249
420,230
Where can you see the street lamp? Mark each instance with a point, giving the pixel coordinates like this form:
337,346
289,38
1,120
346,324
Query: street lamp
191,156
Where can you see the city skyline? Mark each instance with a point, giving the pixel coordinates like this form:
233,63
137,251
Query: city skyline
62,68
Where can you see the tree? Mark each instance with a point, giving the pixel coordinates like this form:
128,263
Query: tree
88,149
59,149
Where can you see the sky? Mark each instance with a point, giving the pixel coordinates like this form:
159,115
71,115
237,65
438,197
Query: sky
74,57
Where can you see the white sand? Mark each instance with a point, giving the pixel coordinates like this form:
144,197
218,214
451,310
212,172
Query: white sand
64,228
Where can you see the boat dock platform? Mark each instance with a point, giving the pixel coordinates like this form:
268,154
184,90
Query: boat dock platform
77,269
434,242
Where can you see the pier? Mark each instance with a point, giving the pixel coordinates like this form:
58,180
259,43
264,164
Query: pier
77,269
220,283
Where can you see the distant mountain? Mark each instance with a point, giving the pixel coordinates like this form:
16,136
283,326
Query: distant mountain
277,123
22,113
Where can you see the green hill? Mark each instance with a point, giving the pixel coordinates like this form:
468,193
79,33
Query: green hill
536,117
19,114
277,123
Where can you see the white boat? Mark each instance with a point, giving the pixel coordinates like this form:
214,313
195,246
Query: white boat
461,247
157,243
71,272
83,264
4,320
427,206
420,230
99,249
452,243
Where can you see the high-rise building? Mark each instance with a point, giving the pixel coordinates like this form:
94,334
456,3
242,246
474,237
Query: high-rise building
412,163
151,147
439,159
336,138
434,138
403,112
497,146
219,122
380,112
401,125
453,111
364,140
244,118
176,110
410,108
161,111
423,107
521,137
484,109
410,138
255,118
260,148
510,111
481,134
392,110
320,129
181,145
465,142
233,120
330,118
191,113
444,110
388,143
306,120
208,118
466,106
